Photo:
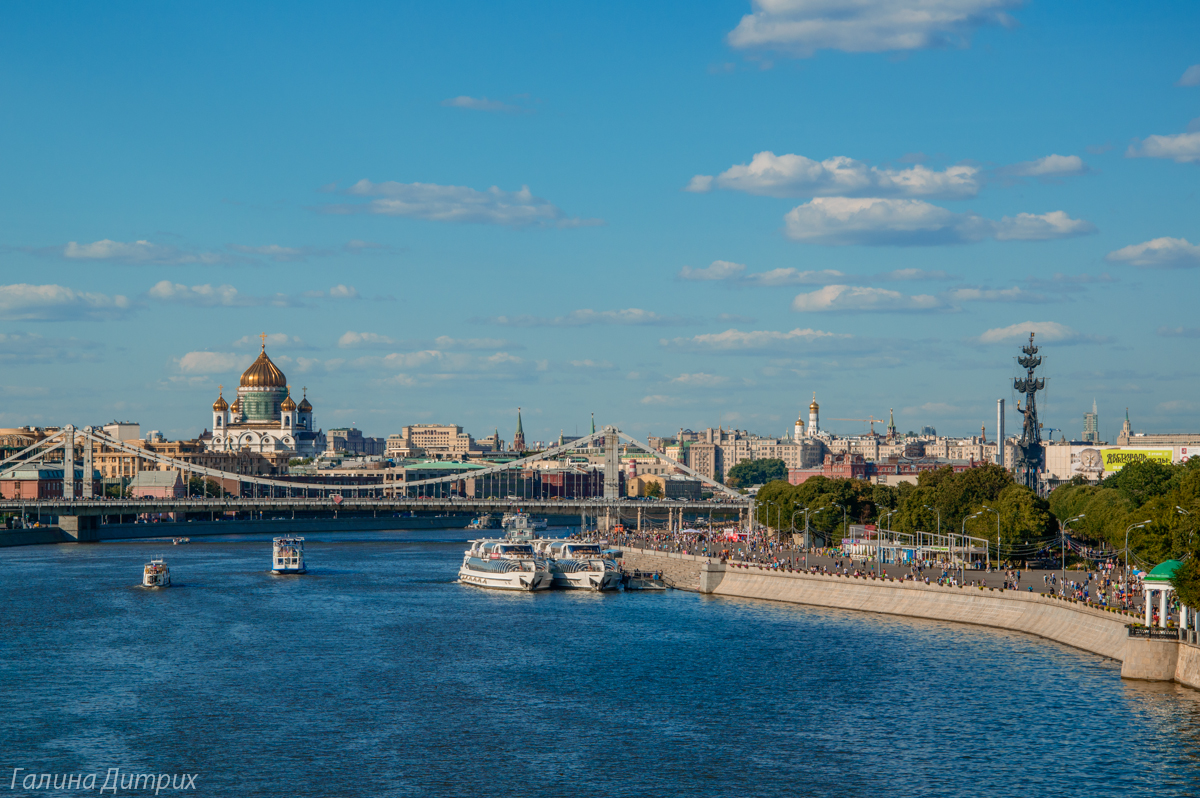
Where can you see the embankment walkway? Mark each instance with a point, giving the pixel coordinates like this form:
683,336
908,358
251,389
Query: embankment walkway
1102,631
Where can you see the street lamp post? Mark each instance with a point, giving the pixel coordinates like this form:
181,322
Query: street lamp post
1063,532
1131,526
962,577
879,544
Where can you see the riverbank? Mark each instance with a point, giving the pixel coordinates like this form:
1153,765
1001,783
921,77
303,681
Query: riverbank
1099,630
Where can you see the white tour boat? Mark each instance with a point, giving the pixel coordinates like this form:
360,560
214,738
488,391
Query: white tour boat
287,556
504,565
156,574
579,566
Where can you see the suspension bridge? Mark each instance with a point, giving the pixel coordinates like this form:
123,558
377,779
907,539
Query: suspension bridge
502,487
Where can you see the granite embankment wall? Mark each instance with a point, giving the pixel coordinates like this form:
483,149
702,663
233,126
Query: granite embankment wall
1091,629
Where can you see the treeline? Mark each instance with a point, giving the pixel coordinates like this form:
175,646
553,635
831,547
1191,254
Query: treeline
1164,495
1025,520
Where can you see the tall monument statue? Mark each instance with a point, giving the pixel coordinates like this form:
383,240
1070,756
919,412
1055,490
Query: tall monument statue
1030,454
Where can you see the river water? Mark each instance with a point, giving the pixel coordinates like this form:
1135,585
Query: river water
377,675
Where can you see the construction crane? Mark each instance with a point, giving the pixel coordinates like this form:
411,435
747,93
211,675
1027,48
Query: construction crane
872,421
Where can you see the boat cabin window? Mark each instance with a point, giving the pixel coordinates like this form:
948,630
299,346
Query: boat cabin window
516,549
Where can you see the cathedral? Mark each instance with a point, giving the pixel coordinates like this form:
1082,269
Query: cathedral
264,417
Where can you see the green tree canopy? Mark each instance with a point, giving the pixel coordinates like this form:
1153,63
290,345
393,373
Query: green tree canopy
755,472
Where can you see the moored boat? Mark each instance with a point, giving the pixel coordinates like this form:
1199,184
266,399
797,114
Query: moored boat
156,574
287,555
504,565
579,566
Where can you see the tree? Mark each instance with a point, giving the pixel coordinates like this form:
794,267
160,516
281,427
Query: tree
1186,581
1143,480
756,472
654,491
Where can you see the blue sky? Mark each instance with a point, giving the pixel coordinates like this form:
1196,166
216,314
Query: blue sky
675,215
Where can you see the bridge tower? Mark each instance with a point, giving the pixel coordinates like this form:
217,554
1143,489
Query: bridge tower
69,462
88,486
1030,454
612,464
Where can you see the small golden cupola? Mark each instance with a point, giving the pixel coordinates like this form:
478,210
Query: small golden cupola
288,405
220,406
304,406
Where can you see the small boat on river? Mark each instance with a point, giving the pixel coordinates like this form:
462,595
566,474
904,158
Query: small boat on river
156,574
575,565
287,556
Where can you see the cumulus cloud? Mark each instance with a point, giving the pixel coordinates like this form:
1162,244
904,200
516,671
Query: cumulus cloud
802,27
861,298
213,362
199,295
586,317
1050,331
1014,294
717,270
789,175
1180,147
138,252
25,302
363,340
838,221
482,104
736,341
1041,227
1159,253
736,272
457,204
1190,76
1050,166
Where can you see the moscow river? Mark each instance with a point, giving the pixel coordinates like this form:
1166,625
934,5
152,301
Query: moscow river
377,675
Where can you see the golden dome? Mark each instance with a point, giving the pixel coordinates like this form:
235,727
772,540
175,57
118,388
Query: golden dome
220,406
799,422
305,407
236,407
814,407
288,405
263,373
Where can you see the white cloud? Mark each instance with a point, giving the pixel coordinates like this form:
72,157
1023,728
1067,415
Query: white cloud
273,339
482,104
1159,253
717,270
274,252
861,298
700,379
802,27
213,362
363,340
24,302
1048,167
1049,331
1014,294
736,272
200,295
838,221
1190,76
877,222
1180,147
458,204
754,340
337,292
581,318
138,252
595,365
1041,227
789,175
659,399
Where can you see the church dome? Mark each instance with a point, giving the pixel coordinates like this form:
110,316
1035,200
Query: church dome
288,405
263,374
305,407
814,407
220,406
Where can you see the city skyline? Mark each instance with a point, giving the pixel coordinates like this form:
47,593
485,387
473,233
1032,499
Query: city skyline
695,222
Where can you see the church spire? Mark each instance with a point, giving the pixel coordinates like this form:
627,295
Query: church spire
518,442
593,423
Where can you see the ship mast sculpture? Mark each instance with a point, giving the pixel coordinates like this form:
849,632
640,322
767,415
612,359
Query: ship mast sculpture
1030,454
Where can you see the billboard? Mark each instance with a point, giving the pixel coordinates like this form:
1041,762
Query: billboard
1096,462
